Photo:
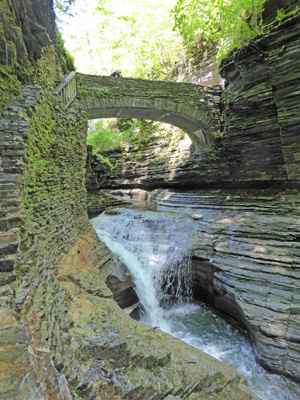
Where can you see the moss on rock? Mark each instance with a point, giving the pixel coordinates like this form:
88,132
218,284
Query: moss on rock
9,86
31,49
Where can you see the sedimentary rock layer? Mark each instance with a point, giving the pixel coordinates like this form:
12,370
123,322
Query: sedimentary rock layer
246,252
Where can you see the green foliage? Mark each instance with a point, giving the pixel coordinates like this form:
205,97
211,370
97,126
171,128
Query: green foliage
103,136
106,135
63,5
280,14
226,24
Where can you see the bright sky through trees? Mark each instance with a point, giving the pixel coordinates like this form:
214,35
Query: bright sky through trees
135,37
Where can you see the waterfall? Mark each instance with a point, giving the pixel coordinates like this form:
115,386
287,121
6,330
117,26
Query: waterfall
156,249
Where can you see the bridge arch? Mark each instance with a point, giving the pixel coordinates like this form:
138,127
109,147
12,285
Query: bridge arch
193,108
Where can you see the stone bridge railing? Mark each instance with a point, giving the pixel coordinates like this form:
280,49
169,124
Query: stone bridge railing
67,89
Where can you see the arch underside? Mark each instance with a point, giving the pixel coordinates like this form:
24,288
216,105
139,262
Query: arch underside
193,127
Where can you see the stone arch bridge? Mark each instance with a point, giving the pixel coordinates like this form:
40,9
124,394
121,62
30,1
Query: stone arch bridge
196,109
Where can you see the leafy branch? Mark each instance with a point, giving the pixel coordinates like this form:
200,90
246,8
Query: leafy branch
208,24
64,5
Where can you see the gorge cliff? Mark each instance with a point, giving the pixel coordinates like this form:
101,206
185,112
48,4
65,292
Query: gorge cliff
62,335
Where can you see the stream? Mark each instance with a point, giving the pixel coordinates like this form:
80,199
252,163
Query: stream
156,248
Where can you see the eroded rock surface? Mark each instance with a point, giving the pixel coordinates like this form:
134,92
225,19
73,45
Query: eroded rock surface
246,253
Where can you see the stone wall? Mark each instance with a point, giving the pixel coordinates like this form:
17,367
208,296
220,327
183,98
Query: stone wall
14,134
43,210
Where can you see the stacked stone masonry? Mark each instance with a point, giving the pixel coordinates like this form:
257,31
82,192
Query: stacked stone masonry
13,135
14,339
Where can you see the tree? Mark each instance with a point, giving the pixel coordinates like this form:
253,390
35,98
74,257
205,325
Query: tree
63,5
136,37
225,24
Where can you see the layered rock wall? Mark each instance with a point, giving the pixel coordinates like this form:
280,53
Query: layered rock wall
262,108
246,263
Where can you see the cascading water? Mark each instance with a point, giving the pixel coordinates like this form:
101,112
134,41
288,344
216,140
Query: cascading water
155,247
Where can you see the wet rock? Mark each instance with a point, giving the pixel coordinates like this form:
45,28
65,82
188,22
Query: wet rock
246,262
124,358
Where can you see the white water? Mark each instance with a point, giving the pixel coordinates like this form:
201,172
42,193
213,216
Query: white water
156,249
